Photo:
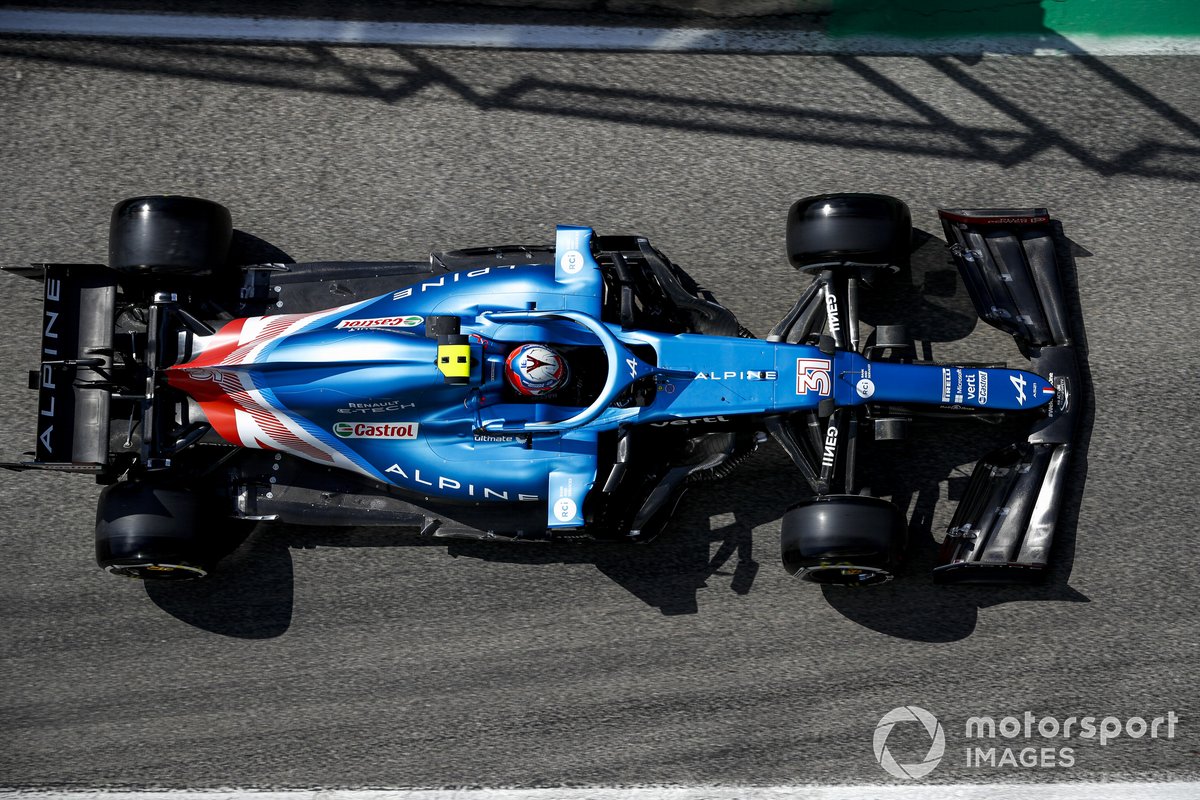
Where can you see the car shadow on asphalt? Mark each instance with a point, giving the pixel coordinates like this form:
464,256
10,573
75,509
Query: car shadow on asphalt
249,595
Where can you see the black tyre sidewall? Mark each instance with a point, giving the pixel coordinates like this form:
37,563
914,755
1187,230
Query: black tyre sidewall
870,235
168,234
846,540
153,531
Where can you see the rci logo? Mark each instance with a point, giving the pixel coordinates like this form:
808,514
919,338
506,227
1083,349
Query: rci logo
932,727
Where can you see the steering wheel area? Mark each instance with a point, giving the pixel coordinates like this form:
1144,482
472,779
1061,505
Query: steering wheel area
623,369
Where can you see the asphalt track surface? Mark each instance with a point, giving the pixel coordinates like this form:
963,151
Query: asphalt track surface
369,658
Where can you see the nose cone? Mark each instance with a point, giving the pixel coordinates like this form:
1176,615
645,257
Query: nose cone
1029,390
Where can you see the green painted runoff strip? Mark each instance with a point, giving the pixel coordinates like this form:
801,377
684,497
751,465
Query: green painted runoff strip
939,18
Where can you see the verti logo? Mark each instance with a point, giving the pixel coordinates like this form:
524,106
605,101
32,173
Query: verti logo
937,746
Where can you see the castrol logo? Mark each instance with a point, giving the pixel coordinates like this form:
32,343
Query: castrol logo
376,430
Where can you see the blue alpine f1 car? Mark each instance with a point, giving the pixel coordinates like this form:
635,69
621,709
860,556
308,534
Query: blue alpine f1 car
532,392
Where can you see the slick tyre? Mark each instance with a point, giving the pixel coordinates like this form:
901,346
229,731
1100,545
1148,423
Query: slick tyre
843,540
168,234
868,235
155,532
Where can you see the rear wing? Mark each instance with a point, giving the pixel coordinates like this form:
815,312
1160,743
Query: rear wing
1004,526
73,378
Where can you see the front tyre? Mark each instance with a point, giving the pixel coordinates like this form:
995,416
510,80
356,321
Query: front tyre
168,234
843,540
155,532
865,234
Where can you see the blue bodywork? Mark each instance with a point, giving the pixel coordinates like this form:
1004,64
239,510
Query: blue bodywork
359,387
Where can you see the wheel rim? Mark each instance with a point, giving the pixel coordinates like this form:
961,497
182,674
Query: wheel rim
156,571
844,575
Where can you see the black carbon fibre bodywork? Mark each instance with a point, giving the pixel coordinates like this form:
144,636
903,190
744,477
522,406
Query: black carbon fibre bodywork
1003,529
73,381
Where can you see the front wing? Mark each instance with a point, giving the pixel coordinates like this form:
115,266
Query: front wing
1003,528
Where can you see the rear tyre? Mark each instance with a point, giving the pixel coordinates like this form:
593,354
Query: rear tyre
843,540
168,234
157,532
869,235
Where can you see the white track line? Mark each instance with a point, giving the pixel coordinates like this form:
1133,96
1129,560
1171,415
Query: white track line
1042,791
557,37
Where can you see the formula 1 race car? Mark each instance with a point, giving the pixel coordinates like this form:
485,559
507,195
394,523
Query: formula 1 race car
532,392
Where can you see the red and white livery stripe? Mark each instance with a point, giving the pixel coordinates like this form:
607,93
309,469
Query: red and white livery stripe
238,410
242,340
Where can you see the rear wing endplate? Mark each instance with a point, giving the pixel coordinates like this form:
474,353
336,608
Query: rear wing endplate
73,378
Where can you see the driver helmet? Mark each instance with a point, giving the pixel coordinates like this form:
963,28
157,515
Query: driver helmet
536,369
